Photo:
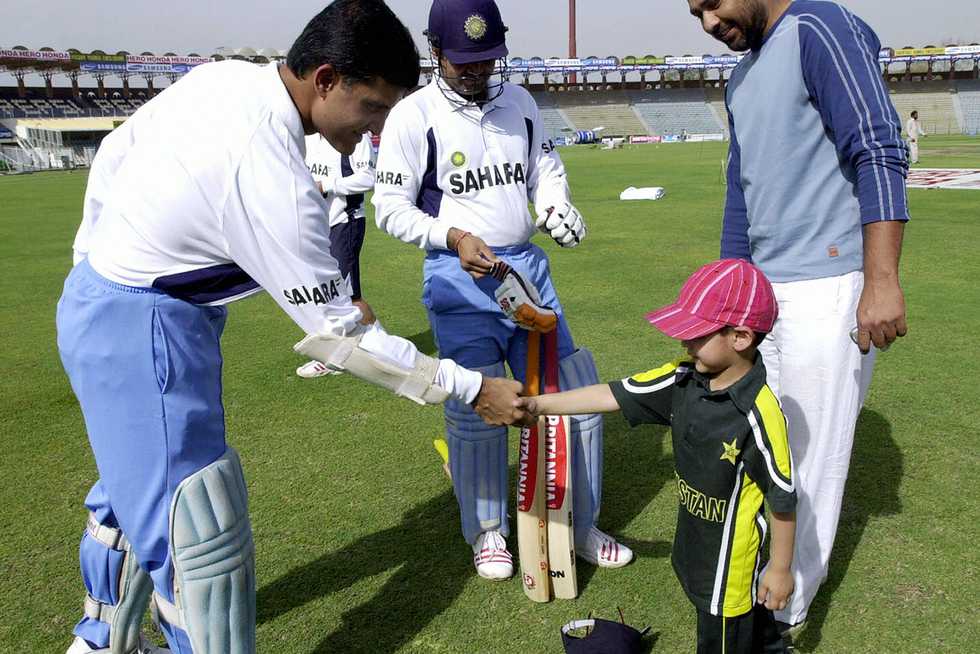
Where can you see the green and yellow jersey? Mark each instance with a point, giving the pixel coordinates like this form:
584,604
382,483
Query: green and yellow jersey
731,453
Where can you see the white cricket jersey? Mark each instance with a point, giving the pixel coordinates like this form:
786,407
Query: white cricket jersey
443,164
913,129
207,197
104,166
344,179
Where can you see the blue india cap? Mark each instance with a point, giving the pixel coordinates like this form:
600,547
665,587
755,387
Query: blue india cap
467,30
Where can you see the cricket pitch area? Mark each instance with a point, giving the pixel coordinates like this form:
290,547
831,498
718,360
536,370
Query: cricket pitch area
965,179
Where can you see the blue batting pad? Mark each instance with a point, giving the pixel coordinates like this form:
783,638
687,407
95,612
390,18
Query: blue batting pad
118,589
214,560
478,462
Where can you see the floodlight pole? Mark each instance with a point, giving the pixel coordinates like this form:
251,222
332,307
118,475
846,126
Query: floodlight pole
571,38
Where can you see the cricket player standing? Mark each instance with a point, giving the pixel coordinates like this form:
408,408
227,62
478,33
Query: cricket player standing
816,199
914,131
458,162
343,180
204,199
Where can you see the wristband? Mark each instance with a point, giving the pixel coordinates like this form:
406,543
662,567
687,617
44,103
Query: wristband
460,240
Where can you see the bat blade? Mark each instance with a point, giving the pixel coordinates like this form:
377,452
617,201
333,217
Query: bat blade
532,514
561,526
558,485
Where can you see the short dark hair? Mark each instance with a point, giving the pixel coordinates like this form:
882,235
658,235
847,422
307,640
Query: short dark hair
361,39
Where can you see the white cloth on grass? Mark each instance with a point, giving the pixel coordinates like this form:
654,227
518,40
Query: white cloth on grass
644,193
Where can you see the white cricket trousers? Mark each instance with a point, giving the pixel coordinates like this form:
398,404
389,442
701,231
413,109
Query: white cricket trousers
914,151
821,378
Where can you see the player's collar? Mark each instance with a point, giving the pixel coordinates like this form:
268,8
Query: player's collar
282,104
744,392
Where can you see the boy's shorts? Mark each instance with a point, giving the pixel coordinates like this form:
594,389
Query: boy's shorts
346,240
749,633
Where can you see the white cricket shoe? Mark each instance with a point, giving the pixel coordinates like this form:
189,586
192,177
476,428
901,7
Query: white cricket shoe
312,369
491,558
79,646
602,550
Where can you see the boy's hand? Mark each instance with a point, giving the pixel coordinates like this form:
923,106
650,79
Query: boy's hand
529,406
775,588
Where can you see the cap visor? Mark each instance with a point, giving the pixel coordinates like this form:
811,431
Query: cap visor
459,57
679,324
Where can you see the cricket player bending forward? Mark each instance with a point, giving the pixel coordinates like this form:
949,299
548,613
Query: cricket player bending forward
202,198
458,162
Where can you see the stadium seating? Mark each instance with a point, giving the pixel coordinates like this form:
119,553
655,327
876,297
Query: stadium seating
103,106
554,122
26,108
121,106
968,94
44,107
932,100
675,111
587,110
552,118
66,107
716,98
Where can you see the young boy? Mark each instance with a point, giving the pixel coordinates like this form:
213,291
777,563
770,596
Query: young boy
730,449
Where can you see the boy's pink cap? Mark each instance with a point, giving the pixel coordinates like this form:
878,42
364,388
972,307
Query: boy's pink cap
725,293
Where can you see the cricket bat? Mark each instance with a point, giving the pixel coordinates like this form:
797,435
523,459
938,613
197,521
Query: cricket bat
532,512
558,485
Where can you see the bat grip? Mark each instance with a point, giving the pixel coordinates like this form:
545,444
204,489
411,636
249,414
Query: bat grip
533,363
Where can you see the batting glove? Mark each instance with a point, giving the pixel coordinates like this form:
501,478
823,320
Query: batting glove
563,223
520,300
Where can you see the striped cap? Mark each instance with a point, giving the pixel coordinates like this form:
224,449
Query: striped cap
725,293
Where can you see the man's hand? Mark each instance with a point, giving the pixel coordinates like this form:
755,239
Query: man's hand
880,315
475,256
775,588
881,309
498,402
563,223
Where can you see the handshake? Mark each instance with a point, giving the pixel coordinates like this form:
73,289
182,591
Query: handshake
499,402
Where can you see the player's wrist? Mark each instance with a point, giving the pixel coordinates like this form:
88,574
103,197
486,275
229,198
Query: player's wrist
479,391
457,238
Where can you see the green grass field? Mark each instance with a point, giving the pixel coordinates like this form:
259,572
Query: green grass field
357,538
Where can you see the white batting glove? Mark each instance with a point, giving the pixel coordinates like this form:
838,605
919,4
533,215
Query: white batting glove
563,223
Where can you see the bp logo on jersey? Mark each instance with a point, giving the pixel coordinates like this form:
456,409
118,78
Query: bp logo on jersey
458,159
475,27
